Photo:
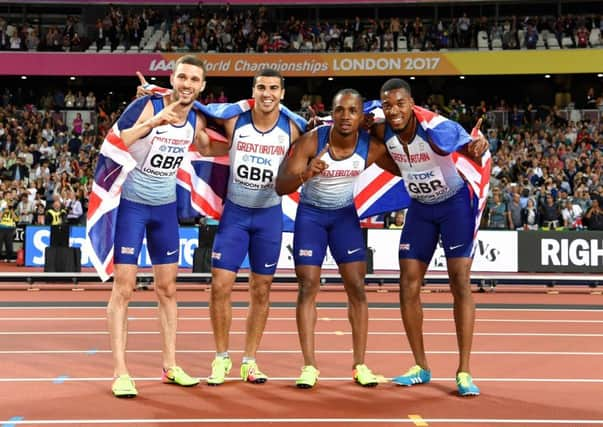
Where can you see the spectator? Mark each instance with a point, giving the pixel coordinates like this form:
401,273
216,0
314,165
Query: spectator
530,217
398,223
594,216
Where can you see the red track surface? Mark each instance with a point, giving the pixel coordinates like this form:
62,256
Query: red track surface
532,365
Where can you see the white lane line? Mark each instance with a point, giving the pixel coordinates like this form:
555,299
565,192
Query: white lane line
446,352
343,319
272,308
329,333
322,379
203,421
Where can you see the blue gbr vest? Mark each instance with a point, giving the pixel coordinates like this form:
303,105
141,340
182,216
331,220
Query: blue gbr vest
334,187
158,156
255,158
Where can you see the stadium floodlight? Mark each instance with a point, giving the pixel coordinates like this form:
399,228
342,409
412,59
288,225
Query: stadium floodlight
547,76
600,75
412,77
462,77
330,79
23,77
72,78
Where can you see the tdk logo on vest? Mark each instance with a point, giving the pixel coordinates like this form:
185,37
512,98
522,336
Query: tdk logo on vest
258,160
577,252
172,149
422,175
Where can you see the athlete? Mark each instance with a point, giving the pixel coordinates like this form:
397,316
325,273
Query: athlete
442,207
326,161
157,132
252,219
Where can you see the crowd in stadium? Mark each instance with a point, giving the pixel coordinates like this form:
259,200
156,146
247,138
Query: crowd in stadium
252,30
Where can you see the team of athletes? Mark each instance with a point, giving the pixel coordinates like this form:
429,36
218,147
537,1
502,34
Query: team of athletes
324,161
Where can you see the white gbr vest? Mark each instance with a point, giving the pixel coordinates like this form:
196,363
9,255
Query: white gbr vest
158,156
254,161
428,177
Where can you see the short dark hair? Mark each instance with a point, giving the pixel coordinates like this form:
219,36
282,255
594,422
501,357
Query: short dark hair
347,91
269,72
395,83
191,60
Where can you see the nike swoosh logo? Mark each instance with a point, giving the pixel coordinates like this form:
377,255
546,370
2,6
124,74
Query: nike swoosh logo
243,136
159,132
169,253
392,147
454,247
353,251
270,265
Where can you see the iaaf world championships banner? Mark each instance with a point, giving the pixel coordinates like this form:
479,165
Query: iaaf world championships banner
360,64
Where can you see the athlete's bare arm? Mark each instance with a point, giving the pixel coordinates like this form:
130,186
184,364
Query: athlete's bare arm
378,154
171,114
300,164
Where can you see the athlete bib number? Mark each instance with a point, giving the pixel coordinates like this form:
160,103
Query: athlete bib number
254,170
164,159
426,185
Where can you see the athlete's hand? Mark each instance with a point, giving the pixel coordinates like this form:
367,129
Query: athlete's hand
316,165
479,144
169,115
314,121
368,121
142,88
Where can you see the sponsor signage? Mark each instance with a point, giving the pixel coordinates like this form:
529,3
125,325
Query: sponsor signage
561,251
309,64
37,238
495,251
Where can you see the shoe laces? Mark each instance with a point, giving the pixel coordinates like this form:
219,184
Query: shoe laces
309,370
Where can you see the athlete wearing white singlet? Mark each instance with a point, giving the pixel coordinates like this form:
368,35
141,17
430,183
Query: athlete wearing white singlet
326,161
442,207
157,133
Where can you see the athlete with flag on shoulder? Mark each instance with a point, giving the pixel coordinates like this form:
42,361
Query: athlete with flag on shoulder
445,171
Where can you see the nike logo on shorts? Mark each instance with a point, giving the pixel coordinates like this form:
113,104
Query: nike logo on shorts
455,247
170,253
353,251
269,265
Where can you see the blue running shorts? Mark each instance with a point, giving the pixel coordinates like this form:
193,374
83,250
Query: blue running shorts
161,226
257,231
452,220
315,228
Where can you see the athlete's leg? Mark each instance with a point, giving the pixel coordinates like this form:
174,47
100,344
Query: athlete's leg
264,251
308,277
353,274
412,272
220,309
259,306
417,244
129,232
309,249
464,308
165,288
124,281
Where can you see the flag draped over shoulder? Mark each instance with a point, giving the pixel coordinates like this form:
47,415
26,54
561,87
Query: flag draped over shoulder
112,167
201,183
449,136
